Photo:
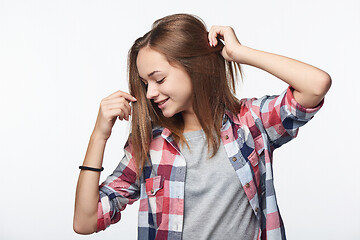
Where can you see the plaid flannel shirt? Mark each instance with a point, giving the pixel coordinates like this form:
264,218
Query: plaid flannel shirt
261,126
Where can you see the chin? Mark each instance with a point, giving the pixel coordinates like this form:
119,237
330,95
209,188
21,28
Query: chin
168,114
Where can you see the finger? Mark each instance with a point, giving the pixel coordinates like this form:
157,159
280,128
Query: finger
110,115
114,100
121,106
120,101
129,97
212,36
214,32
118,113
125,95
124,115
125,109
121,115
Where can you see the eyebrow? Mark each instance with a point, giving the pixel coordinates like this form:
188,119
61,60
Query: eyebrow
152,73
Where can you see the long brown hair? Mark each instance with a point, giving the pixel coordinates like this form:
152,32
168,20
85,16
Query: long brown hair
183,39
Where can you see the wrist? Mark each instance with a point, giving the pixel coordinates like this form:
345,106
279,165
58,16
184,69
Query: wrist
239,54
95,152
97,136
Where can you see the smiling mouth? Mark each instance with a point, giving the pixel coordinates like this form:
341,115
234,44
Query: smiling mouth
162,102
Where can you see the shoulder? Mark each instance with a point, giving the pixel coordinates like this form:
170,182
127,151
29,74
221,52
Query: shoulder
250,108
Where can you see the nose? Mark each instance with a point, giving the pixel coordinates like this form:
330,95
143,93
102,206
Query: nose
152,91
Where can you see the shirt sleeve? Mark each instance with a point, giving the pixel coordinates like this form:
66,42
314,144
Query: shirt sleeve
118,190
280,116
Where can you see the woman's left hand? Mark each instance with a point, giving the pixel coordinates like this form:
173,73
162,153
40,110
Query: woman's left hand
227,34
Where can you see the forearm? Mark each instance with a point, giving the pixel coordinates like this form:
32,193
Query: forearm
310,83
87,191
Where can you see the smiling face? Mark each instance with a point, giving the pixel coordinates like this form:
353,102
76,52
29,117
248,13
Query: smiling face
168,86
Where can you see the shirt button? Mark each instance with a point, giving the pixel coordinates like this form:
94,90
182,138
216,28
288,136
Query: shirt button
256,209
247,185
234,159
226,137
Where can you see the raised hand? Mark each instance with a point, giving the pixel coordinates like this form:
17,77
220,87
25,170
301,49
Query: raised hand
231,42
115,105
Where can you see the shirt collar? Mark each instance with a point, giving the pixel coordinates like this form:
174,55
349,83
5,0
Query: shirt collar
165,132
233,118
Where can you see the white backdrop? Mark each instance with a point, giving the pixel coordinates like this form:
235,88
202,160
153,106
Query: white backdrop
58,59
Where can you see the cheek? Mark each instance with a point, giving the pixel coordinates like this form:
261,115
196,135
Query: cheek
188,89
185,86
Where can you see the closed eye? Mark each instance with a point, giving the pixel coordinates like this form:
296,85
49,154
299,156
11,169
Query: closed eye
160,81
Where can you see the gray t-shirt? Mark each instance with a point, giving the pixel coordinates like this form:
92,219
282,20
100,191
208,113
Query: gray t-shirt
216,206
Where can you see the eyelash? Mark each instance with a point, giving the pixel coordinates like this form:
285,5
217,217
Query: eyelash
160,81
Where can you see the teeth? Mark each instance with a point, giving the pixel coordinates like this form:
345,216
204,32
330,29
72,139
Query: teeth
162,102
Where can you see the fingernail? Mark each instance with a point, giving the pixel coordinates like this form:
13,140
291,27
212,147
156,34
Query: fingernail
134,98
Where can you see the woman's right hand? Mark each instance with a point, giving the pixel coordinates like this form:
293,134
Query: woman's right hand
111,107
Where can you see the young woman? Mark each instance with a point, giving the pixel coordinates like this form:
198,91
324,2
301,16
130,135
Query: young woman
199,159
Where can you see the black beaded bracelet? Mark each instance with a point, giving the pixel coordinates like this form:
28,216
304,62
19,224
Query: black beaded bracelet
91,169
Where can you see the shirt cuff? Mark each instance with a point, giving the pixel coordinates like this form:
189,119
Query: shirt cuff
100,221
298,110
103,213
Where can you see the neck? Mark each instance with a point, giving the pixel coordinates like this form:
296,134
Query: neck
191,122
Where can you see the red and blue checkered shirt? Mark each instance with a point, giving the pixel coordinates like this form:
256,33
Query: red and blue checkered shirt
249,139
